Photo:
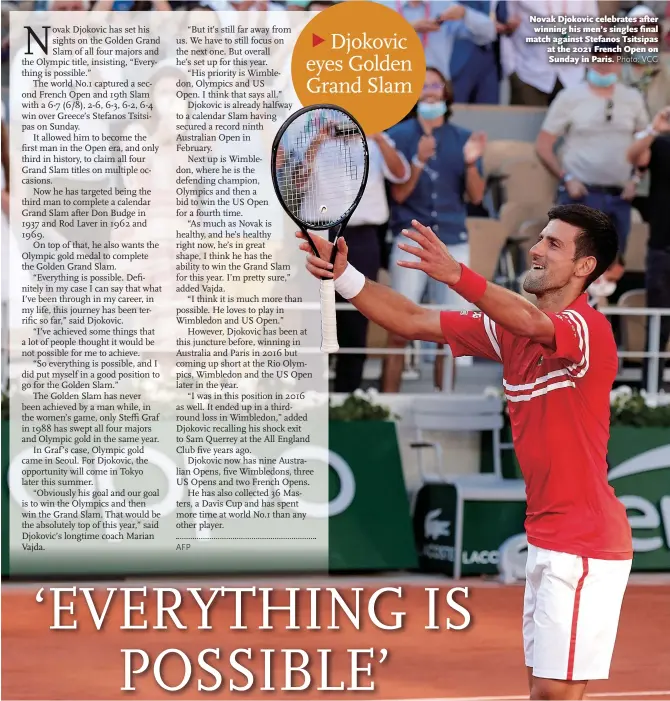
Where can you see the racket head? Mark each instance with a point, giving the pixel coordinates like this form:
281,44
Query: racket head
328,194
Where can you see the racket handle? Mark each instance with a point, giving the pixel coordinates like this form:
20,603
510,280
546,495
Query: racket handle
329,342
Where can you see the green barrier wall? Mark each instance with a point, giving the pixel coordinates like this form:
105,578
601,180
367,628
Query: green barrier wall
375,532
640,475
369,527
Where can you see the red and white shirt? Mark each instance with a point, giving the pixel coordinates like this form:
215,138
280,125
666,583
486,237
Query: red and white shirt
559,409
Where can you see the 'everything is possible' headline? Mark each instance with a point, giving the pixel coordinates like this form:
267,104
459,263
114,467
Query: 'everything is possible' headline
224,608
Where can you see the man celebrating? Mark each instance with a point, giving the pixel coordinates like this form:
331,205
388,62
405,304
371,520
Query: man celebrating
559,360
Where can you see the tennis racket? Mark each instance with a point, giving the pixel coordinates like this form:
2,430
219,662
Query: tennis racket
320,164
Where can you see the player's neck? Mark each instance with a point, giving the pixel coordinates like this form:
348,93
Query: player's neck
556,300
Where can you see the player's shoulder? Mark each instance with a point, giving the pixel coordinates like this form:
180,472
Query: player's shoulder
594,326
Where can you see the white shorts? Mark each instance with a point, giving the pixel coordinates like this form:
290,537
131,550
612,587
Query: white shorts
571,613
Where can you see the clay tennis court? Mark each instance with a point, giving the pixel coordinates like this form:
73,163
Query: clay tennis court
484,660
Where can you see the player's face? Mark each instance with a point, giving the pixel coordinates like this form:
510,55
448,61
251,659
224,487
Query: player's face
552,258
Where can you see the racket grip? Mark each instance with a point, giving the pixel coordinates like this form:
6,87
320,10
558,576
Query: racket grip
329,342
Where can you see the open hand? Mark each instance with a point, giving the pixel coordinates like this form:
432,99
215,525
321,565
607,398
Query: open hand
474,147
434,257
319,266
661,121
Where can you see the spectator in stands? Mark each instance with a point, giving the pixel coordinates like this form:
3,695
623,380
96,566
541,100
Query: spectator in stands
136,6
597,120
651,150
262,5
317,6
475,68
533,80
446,166
439,27
648,73
655,6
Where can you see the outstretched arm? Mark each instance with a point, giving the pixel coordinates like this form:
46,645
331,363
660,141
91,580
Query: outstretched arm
507,309
379,303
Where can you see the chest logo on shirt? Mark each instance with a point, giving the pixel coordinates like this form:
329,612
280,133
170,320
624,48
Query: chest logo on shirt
540,361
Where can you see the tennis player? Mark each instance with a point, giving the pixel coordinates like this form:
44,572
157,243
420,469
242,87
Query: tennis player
559,362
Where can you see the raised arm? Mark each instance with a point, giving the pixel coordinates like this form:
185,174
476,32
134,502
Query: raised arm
473,151
395,165
379,303
639,153
470,24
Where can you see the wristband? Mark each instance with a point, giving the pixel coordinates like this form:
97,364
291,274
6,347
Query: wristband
418,163
648,131
350,283
471,285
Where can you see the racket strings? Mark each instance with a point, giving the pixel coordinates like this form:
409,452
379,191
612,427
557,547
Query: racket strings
322,192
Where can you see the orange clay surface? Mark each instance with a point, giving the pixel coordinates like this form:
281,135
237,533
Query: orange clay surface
486,659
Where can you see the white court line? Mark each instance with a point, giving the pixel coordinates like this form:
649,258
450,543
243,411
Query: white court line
598,695
627,694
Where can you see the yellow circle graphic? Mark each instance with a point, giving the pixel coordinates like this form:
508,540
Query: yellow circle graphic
363,57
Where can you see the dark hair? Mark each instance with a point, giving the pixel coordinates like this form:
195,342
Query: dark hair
597,236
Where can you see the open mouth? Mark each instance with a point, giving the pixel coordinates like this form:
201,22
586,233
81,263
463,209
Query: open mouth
537,267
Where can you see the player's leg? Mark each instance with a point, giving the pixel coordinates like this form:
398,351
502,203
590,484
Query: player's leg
557,689
576,619
557,605
533,579
411,284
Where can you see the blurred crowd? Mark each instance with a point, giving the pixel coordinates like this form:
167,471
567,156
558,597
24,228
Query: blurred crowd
605,138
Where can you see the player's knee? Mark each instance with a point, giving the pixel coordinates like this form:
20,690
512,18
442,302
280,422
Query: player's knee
549,689
540,692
